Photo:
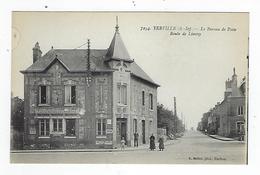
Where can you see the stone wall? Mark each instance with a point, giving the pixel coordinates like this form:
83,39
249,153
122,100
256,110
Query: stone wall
228,112
143,112
87,109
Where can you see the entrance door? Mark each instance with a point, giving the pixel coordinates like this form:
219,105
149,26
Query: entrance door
143,130
121,128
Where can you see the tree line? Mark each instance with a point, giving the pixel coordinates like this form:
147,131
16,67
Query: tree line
166,119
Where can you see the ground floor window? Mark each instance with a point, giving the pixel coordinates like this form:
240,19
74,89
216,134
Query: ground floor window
44,127
70,127
101,127
57,125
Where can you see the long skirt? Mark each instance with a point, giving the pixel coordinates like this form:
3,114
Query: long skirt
161,145
152,145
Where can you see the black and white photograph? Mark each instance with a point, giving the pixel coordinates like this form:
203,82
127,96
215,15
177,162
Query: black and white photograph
129,87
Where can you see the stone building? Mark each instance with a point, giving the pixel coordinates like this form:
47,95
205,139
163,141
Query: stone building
232,110
73,100
228,118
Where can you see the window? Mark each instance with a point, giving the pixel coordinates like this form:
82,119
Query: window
143,98
101,127
135,126
101,94
240,127
70,94
44,94
70,127
240,110
57,125
122,94
151,127
151,101
118,93
44,127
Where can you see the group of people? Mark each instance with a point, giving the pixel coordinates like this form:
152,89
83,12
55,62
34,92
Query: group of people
152,142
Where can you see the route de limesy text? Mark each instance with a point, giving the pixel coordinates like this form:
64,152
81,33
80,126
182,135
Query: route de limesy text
187,30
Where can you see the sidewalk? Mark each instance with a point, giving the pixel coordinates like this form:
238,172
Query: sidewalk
141,147
224,138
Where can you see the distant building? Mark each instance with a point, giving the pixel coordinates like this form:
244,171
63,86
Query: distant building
71,102
228,117
232,109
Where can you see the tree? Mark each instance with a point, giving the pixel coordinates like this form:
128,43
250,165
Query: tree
17,122
166,119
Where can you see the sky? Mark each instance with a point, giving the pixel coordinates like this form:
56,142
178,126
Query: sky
193,68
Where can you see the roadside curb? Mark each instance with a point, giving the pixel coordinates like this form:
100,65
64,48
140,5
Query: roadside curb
222,139
144,147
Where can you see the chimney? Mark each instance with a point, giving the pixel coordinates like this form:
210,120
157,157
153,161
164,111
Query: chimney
37,53
175,108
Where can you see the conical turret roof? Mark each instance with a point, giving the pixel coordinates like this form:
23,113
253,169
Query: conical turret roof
117,49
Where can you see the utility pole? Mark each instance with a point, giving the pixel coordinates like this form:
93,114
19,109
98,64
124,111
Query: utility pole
182,122
88,77
175,116
175,108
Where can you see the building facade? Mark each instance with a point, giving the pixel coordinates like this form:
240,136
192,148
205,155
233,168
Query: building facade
232,110
79,98
228,118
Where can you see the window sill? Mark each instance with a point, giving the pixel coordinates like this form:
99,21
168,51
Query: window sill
69,105
101,137
121,105
57,132
44,137
70,137
46,105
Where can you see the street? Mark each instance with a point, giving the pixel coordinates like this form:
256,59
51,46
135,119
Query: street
193,148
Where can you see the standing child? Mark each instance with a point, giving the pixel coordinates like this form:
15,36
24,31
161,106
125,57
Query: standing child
122,143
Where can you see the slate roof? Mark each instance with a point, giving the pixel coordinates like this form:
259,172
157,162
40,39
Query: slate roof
74,60
117,49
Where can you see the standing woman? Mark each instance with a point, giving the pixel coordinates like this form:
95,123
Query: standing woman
161,144
152,142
